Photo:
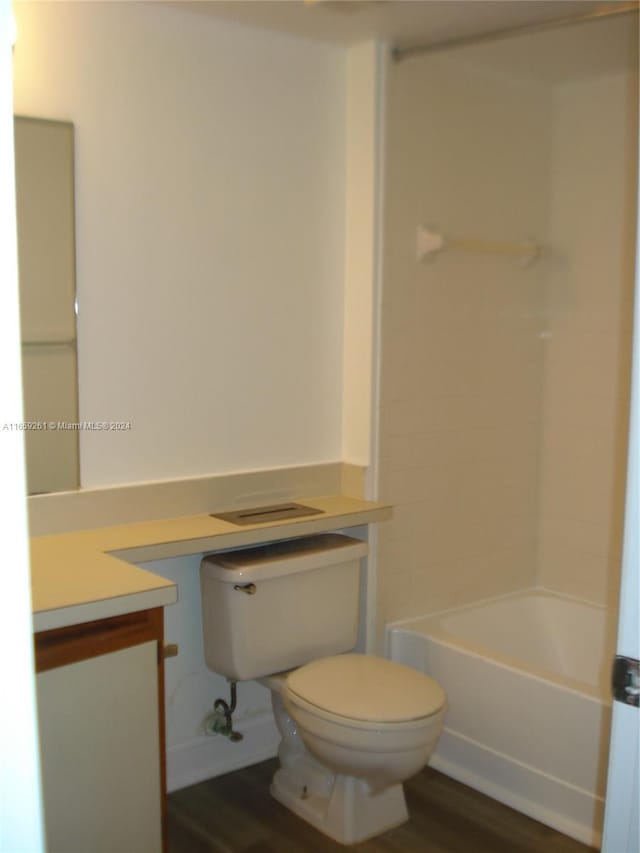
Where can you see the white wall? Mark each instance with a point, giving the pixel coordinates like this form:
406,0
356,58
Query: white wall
210,166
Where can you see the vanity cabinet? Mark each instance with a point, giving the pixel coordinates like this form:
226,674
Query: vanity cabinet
100,691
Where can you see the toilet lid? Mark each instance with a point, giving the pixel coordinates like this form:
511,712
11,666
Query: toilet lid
364,687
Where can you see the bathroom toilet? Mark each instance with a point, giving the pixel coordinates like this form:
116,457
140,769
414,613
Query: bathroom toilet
353,727
371,724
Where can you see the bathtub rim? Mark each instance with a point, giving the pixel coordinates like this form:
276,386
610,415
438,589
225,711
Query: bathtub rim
594,693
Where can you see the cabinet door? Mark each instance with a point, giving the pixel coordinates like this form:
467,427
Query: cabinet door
99,735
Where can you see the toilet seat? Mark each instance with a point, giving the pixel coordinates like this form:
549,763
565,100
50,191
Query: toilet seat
365,692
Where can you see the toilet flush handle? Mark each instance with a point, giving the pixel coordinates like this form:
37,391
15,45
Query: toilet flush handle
248,588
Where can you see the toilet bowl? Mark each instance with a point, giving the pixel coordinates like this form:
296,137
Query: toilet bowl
354,728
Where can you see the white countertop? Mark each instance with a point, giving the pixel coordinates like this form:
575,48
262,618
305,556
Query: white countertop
89,574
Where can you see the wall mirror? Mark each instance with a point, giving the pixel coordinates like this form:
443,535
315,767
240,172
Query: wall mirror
44,153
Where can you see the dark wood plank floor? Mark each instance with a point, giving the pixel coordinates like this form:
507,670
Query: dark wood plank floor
236,814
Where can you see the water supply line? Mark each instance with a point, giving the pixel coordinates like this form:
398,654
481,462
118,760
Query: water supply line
219,721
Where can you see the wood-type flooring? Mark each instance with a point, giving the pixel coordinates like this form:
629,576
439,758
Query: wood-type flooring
236,814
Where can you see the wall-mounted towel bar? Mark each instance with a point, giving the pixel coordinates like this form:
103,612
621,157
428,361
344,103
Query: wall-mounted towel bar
64,342
430,242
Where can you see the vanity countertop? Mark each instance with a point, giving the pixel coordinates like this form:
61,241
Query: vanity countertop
89,574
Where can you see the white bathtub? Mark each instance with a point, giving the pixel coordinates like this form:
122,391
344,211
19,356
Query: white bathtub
527,681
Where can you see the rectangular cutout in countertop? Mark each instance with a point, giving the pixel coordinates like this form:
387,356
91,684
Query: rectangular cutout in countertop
261,514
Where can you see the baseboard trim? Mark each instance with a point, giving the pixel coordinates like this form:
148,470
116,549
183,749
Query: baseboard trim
208,756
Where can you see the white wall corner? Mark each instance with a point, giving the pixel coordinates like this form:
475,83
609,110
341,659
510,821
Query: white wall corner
363,197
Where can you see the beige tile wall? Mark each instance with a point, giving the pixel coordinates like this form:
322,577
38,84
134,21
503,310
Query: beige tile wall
462,356
504,390
594,152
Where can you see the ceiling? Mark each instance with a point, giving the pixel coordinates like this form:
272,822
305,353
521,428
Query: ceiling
402,23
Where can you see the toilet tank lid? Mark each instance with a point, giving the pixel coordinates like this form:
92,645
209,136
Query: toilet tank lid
277,559
364,687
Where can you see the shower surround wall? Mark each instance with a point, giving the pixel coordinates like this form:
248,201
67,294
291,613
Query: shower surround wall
462,344
504,391
590,300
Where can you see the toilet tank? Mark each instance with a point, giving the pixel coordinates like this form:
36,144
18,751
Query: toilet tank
278,606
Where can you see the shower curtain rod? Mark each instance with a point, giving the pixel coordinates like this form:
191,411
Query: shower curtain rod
400,53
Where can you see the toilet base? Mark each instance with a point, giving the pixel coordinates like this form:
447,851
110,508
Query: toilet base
349,813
